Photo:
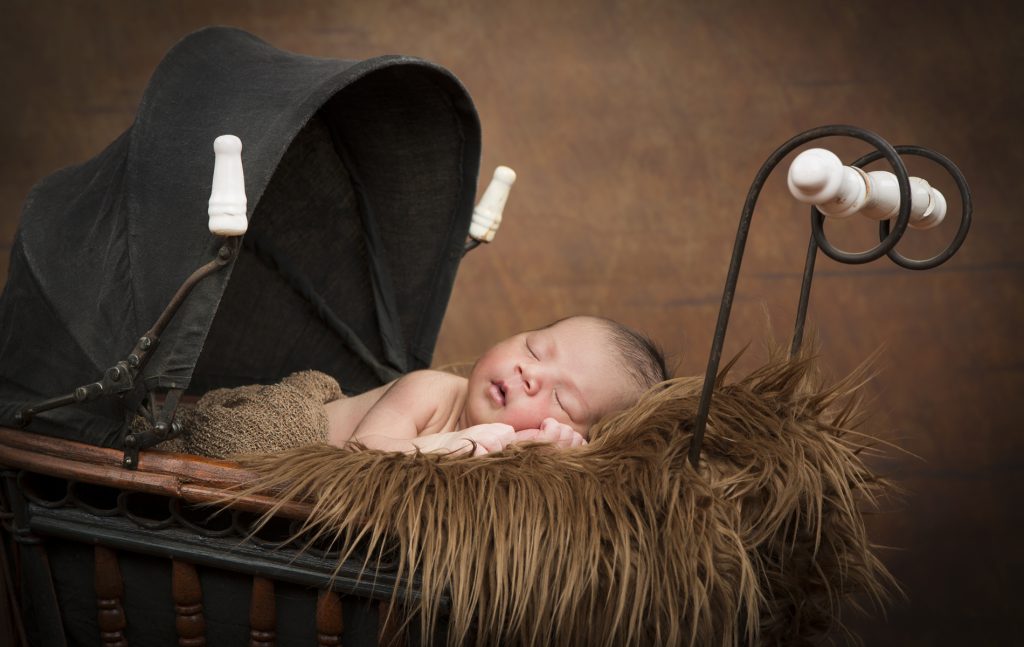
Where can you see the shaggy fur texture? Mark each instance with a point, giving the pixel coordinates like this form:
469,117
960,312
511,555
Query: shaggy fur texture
622,542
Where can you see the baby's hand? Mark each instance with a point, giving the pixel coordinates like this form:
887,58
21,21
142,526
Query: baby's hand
489,438
554,432
482,439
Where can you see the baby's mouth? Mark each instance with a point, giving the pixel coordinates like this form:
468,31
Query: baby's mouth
497,393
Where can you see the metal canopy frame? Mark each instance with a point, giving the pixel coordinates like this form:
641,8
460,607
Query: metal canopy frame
888,234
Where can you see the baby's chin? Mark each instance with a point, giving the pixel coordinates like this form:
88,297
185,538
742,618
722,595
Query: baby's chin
480,415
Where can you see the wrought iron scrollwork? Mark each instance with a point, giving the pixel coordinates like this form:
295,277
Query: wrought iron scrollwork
890,234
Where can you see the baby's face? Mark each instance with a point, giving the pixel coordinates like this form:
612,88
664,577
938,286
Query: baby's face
569,372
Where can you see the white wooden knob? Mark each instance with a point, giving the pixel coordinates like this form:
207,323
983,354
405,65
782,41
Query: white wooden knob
227,198
927,204
935,215
883,201
818,177
487,213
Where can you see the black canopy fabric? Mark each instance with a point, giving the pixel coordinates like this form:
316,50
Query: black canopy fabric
360,179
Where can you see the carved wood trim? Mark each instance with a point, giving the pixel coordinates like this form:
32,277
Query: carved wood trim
329,623
262,614
188,604
194,479
109,596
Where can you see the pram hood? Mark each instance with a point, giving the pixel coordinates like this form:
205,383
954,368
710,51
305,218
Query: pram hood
360,177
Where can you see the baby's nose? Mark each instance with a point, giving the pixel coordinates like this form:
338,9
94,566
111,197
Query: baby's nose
531,378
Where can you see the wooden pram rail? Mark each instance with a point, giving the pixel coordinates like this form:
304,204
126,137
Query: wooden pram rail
193,479
72,510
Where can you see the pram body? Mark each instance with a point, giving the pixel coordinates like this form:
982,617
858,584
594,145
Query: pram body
402,137
360,178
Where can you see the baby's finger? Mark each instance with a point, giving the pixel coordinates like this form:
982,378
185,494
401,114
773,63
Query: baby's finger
496,442
528,435
567,436
549,424
501,434
491,444
549,434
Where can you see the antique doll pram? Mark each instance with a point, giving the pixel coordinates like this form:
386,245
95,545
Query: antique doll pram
360,179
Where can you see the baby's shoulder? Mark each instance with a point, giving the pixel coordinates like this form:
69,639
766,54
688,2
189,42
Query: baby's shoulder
430,379
433,398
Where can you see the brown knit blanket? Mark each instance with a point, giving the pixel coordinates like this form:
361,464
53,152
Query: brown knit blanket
257,418
622,542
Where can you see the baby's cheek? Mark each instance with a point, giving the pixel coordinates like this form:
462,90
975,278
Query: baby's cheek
520,421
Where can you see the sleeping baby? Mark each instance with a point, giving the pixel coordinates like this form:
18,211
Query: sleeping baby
548,385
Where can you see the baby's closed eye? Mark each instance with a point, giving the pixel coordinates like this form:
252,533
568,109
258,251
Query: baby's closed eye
561,404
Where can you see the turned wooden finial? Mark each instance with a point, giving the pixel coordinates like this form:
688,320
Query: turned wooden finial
487,214
227,197
329,623
262,613
818,177
109,593
188,604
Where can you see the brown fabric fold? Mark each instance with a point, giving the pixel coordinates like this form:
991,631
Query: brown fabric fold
258,418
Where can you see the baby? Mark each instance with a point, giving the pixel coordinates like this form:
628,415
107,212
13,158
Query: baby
547,385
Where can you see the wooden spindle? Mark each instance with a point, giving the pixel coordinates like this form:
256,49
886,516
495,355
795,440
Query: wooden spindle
188,605
818,177
262,614
109,594
329,622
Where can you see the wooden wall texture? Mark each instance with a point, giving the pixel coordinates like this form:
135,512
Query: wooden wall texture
636,128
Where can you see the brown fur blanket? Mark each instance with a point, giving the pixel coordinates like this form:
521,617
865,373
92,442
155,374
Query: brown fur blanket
622,542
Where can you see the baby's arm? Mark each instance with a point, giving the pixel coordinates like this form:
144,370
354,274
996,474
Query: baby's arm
495,436
419,412
421,402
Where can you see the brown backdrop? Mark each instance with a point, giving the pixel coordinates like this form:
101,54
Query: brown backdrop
636,128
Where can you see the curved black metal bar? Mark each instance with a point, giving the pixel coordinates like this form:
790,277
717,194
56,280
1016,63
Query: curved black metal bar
818,240
888,238
817,222
121,377
967,209
805,296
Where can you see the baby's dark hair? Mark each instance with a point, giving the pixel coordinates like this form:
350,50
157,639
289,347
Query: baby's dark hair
643,359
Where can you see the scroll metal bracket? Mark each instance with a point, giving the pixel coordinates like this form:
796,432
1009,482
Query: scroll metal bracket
889,235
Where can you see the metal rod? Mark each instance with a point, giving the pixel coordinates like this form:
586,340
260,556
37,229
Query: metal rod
966,216
471,244
715,356
805,296
227,252
25,416
121,377
817,220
